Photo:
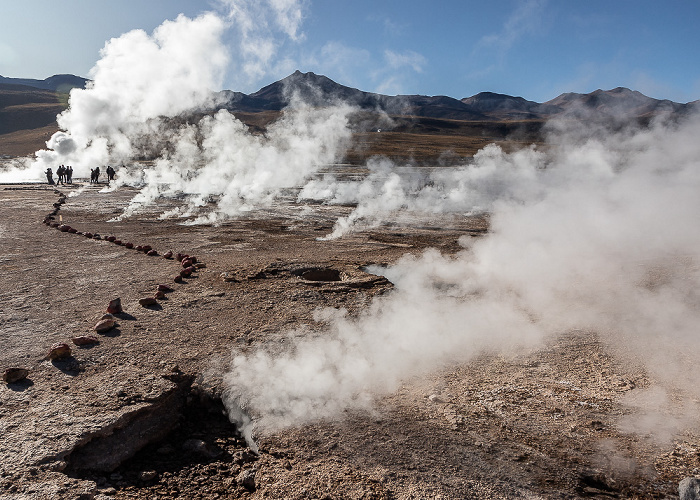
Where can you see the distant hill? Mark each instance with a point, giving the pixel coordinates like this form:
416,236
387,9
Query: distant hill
57,83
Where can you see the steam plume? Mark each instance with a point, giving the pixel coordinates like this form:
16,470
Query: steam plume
599,232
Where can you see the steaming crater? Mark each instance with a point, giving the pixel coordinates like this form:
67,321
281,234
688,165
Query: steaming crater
349,277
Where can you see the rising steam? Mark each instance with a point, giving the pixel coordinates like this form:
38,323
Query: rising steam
598,231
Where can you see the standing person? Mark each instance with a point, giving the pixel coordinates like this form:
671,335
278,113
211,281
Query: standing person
92,175
49,176
61,171
97,174
69,174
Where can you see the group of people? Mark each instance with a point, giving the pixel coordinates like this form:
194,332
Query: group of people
95,174
65,175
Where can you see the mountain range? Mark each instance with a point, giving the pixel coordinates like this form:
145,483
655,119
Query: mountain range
28,108
485,106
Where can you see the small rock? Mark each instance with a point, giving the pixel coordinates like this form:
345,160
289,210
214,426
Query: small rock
159,295
115,306
165,288
117,242
109,316
111,238
152,253
97,237
138,247
59,350
689,489
13,375
186,262
104,325
228,277
185,272
181,256
85,340
148,301
148,475
178,278
72,230
88,234
129,244
168,254
63,228
246,479
200,265
193,259
435,398
146,248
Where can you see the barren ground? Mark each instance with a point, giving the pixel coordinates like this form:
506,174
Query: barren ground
131,417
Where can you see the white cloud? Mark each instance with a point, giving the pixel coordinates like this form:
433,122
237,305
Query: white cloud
525,20
409,58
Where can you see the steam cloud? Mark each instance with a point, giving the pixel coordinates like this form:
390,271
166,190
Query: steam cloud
598,231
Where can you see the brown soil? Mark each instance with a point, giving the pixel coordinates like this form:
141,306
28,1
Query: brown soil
541,424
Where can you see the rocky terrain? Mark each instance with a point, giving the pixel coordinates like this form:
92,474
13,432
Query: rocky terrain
137,414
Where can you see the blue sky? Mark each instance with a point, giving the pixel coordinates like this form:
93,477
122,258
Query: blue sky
536,49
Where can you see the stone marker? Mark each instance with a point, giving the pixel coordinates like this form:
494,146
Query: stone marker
13,375
104,325
148,301
115,306
85,340
59,350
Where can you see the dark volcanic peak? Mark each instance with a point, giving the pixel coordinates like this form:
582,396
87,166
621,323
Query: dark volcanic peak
505,106
619,100
56,83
